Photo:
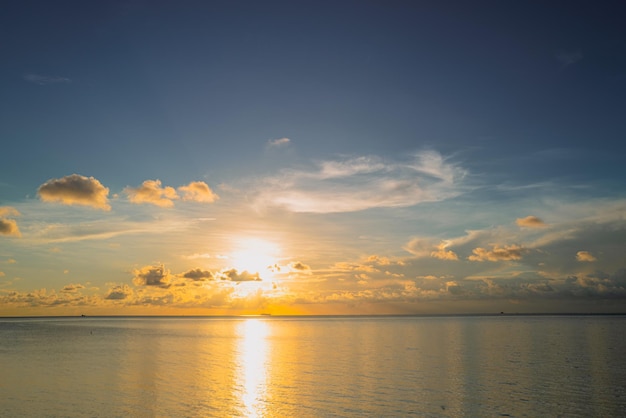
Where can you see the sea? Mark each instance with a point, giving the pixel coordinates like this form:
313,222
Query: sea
267,366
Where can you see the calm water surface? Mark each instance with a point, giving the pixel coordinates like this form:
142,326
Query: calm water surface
314,367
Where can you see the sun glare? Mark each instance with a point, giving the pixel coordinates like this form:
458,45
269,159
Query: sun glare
255,256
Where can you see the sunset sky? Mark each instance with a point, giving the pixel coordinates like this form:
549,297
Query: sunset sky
312,157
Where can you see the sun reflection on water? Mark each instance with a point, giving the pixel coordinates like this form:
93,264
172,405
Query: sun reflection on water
253,350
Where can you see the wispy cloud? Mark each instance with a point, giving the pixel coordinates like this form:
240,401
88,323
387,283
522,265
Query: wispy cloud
75,190
365,182
530,222
45,79
279,142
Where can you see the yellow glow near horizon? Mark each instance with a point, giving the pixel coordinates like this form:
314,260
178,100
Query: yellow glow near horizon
255,256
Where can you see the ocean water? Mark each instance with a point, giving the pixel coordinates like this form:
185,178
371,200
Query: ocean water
518,366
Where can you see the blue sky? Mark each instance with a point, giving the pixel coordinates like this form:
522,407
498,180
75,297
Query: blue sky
380,157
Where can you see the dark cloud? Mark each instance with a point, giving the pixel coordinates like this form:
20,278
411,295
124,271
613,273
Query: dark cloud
300,266
118,292
9,227
198,274
235,276
71,288
152,276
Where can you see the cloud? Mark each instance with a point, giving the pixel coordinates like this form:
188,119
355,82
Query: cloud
45,79
299,266
72,288
119,292
151,192
75,190
9,226
8,211
585,256
198,275
361,183
235,276
198,191
506,253
569,58
427,247
443,254
152,276
530,222
278,142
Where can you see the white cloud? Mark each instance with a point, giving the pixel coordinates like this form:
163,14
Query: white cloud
361,183
278,142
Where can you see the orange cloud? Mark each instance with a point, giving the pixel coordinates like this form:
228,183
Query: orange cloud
75,190
585,256
444,254
198,191
530,222
506,253
8,211
9,226
152,192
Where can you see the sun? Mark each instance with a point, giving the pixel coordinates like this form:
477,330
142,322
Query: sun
255,255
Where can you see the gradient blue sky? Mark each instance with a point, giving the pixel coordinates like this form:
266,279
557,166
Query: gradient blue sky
312,157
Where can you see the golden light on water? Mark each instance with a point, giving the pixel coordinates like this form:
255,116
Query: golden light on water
253,361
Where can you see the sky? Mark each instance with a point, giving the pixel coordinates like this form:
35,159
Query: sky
312,157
